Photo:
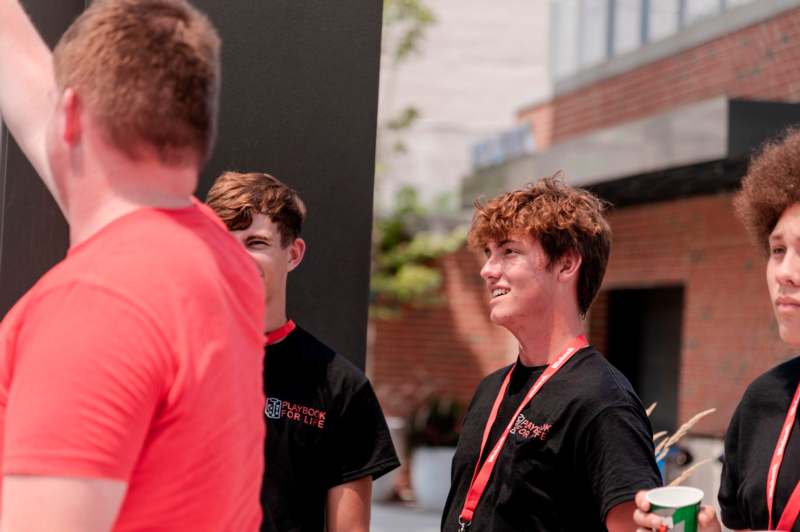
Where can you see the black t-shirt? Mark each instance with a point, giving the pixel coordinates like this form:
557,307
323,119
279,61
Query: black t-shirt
324,428
749,444
581,446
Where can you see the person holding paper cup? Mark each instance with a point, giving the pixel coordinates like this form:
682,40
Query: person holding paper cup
760,487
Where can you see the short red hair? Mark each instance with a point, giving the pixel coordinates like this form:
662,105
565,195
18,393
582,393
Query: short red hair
561,218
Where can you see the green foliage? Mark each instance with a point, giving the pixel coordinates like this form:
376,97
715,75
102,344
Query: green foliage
436,423
404,120
423,248
412,18
404,269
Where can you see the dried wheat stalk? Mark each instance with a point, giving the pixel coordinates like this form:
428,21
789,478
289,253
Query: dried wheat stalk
680,433
650,409
659,447
659,435
688,471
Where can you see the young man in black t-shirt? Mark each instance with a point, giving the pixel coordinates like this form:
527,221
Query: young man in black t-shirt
559,440
327,438
760,484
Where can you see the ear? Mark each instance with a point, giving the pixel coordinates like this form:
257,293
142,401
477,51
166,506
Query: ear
70,108
569,265
297,251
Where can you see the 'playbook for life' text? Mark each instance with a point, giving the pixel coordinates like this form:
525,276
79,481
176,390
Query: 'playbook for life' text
278,408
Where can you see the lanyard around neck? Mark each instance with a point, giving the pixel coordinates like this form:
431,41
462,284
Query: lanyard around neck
792,509
273,337
482,474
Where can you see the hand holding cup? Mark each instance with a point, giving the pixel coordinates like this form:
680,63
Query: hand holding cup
668,503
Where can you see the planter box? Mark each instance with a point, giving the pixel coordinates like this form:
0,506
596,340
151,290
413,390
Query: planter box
430,476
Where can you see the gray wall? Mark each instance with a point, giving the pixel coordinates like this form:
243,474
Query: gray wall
299,100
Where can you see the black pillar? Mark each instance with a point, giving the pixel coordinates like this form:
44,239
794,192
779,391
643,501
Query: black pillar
299,100
33,233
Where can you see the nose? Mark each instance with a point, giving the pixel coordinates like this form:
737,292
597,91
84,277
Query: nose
491,269
788,271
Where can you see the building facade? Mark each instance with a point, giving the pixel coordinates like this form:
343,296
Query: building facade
656,106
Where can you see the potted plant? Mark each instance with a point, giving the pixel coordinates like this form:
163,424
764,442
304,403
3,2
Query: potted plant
433,434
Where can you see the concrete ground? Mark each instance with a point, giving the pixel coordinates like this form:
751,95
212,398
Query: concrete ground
400,518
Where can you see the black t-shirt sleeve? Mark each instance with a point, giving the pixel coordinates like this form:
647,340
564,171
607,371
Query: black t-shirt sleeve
618,446
729,484
360,441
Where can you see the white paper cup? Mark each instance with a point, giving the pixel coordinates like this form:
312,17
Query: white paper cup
678,506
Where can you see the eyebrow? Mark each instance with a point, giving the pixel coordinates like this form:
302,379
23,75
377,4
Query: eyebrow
258,235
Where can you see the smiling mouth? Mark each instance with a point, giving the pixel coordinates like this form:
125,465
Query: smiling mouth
497,292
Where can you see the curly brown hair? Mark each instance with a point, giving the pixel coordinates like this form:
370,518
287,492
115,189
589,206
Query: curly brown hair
772,185
236,196
561,218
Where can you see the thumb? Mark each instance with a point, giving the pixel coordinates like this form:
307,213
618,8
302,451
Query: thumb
707,518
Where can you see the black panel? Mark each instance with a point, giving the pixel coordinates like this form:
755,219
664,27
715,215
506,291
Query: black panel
299,100
34,234
674,183
644,343
750,123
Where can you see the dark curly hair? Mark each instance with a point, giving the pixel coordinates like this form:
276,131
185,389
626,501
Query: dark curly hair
561,218
772,184
236,196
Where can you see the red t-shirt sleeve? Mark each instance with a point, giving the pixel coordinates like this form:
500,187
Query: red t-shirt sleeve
90,369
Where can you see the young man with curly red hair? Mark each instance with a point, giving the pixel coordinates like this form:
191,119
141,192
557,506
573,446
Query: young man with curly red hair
760,486
558,440
130,374
327,437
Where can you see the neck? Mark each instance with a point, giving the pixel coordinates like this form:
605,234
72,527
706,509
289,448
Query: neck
542,341
87,218
275,316
109,185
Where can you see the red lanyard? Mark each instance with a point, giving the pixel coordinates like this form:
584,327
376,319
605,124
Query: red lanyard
792,509
482,474
273,337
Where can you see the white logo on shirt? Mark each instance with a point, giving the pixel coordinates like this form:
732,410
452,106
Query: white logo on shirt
273,408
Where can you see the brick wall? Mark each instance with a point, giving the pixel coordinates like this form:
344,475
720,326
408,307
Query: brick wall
758,62
729,333
440,349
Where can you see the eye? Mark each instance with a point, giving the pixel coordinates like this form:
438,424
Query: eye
777,250
257,244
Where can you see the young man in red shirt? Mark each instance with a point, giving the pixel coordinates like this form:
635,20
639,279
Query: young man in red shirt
327,438
558,440
130,374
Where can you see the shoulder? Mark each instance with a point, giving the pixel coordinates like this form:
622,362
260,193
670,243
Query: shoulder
187,239
495,377
163,255
776,386
597,382
490,384
61,299
341,374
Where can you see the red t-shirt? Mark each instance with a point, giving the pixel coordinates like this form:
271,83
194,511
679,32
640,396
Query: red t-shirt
138,358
